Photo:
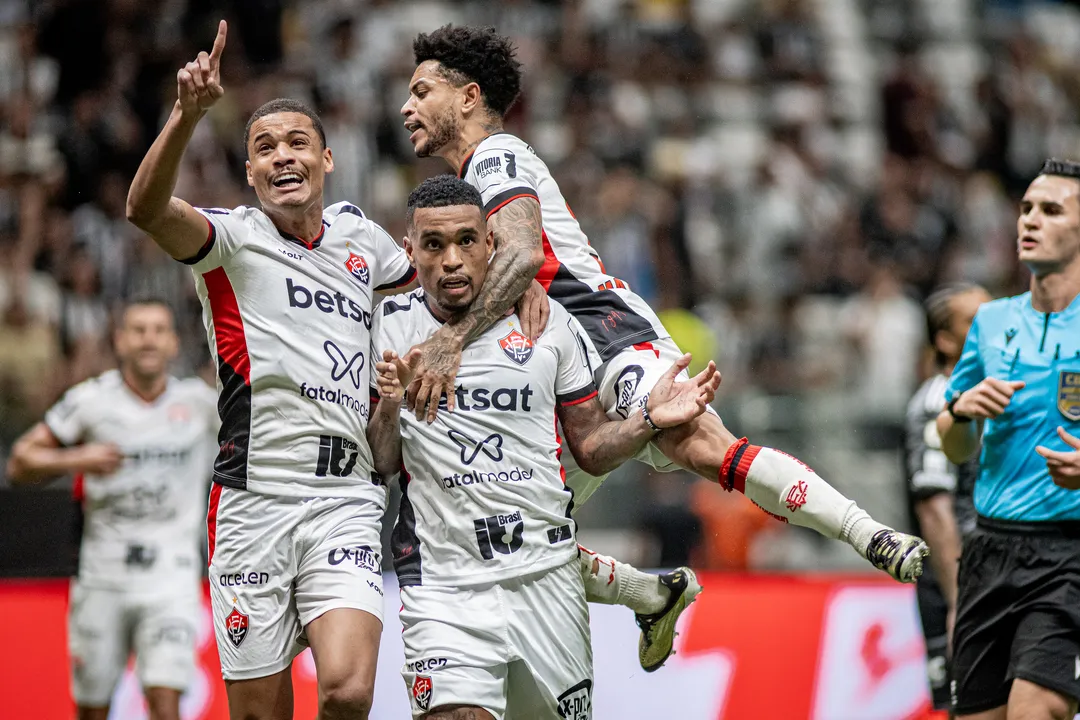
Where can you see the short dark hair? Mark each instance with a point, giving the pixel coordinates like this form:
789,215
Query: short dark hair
146,301
939,312
283,105
442,191
1064,168
475,54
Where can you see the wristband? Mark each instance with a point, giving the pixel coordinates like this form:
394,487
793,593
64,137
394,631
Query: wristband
645,414
951,407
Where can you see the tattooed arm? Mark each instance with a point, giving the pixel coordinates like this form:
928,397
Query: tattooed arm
600,445
518,257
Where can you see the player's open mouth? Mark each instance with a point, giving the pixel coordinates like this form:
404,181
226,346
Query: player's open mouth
413,127
1027,242
454,285
288,180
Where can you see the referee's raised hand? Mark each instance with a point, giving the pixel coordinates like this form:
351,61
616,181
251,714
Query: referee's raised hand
198,84
988,399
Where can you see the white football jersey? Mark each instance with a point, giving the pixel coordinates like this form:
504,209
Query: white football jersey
143,524
289,324
483,495
503,168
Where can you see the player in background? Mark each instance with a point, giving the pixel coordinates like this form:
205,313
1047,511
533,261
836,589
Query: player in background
1016,388
142,440
493,607
287,291
939,492
465,81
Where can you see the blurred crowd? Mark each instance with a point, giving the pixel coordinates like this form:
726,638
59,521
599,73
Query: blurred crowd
796,174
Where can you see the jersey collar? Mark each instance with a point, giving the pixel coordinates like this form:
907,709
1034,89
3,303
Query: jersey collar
468,158
309,245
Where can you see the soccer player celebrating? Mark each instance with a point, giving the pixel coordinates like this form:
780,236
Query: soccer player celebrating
1016,644
295,508
492,598
465,81
939,491
142,441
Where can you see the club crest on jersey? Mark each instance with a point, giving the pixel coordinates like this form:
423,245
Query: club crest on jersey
1068,395
517,347
236,625
357,265
421,692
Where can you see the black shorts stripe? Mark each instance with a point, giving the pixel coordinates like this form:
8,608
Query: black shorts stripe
610,323
404,542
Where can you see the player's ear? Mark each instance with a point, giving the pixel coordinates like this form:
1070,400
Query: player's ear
328,160
407,244
489,241
471,97
247,169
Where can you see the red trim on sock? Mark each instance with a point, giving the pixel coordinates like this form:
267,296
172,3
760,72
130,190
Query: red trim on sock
744,467
725,467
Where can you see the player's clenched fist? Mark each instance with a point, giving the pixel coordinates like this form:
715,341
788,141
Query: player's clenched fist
988,399
198,84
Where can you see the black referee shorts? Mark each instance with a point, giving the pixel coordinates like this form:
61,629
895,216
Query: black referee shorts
1018,612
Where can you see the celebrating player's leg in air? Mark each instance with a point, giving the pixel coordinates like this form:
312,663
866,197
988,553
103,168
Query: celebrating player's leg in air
492,599
465,81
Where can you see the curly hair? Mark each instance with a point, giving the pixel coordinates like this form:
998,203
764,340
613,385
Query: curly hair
442,191
283,105
475,54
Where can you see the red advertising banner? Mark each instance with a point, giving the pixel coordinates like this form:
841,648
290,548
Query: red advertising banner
752,647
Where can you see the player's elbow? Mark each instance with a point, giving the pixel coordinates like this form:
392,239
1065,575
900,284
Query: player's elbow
535,260
18,470
136,214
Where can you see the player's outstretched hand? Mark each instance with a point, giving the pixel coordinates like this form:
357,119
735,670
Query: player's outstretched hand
534,308
395,373
435,374
198,84
99,458
988,399
672,403
1064,466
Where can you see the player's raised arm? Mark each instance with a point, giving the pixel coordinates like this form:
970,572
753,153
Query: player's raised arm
38,455
384,428
600,445
173,224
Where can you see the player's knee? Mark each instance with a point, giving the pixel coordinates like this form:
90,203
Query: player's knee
345,698
163,704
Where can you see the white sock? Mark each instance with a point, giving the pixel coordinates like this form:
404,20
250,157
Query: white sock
790,491
611,582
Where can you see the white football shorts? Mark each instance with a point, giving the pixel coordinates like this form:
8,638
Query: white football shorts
621,384
277,563
520,649
105,626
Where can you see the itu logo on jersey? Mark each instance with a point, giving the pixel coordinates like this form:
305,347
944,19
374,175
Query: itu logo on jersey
517,347
357,265
236,627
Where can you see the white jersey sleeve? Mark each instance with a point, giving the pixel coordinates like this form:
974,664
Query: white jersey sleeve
227,230
67,419
501,179
392,268
574,381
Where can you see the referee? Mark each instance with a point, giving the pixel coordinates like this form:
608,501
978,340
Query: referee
940,492
1017,385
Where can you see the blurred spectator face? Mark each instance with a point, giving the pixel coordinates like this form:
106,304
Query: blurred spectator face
146,340
962,308
1048,228
430,112
450,247
287,163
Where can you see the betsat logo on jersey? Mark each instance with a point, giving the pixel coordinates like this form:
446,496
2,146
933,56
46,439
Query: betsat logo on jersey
326,302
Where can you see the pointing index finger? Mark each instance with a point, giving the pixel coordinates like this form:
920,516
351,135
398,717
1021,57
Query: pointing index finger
219,44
